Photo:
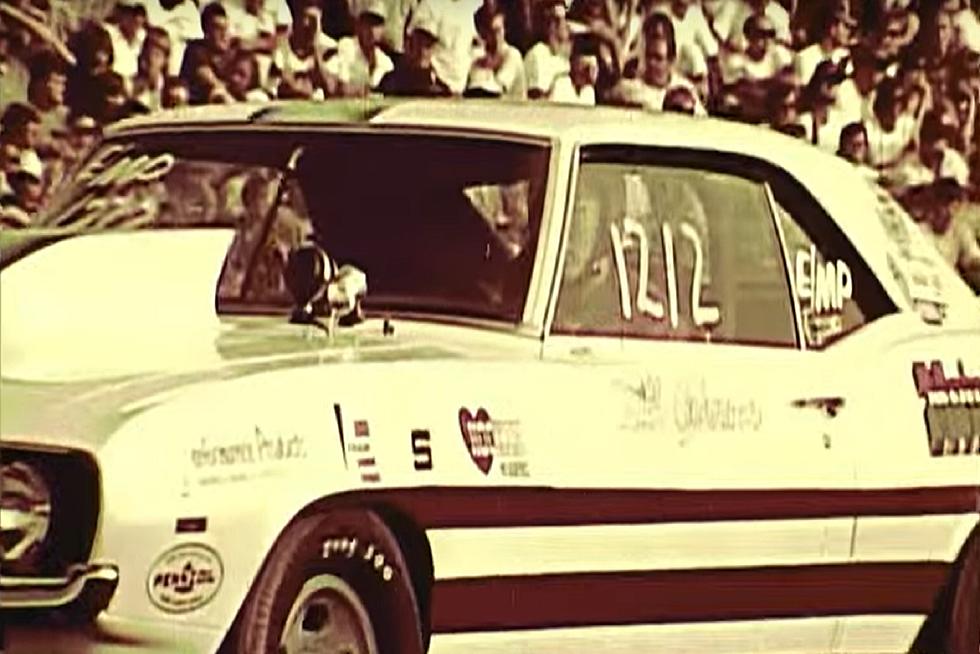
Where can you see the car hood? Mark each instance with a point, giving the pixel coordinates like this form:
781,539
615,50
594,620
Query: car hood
96,328
83,410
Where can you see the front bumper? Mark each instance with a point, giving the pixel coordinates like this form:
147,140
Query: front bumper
93,583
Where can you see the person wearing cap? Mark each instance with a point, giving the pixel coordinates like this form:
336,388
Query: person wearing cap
18,207
414,75
501,60
206,60
547,64
360,64
832,45
127,29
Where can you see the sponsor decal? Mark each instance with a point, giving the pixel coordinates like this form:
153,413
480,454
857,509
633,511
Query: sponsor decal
359,450
224,460
952,408
489,439
184,578
644,411
695,409
422,449
343,547
824,284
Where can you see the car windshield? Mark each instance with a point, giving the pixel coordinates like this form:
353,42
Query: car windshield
439,223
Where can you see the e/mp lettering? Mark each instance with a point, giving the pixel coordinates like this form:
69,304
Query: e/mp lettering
260,448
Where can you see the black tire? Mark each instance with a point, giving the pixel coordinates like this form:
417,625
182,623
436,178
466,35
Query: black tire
386,591
962,634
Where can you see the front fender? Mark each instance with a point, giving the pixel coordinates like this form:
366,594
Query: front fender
216,467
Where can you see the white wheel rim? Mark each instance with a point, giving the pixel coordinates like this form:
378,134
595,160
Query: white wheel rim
327,617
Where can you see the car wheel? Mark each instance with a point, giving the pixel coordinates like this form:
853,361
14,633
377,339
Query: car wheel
963,628
335,583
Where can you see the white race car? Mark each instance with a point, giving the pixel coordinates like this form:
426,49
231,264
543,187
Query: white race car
464,376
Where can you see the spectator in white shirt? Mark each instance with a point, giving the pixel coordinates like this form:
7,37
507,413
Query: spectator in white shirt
503,60
656,74
457,47
892,129
360,64
732,14
127,31
753,71
547,64
182,21
821,118
154,59
966,22
301,65
832,46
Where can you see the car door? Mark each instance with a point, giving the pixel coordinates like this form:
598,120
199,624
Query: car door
696,410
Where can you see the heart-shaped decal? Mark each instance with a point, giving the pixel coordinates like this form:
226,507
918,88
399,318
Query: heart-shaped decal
477,433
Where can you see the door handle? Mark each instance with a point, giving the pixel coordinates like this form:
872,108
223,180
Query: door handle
829,405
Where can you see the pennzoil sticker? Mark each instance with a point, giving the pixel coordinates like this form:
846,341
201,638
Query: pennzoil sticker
952,408
184,578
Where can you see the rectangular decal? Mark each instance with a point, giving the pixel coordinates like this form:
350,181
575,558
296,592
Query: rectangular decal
952,408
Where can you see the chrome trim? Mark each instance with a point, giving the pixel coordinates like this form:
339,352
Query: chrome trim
49,592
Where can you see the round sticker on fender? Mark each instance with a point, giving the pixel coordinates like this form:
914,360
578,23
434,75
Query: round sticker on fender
184,578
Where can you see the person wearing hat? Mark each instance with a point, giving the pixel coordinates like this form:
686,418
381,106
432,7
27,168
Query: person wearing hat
26,192
127,29
360,64
832,45
499,60
414,75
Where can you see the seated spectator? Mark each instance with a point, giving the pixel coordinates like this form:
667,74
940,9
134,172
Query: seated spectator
832,45
584,72
242,82
854,144
934,49
783,110
360,64
112,101
898,29
181,19
729,21
500,58
175,93
414,75
253,29
965,22
548,63
153,64
81,134
697,46
956,240
892,129
207,60
821,117
614,36
681,100
127,29
20,130
46,93
300,63
934,159
756,69
92,49
656,73
455,52
18,207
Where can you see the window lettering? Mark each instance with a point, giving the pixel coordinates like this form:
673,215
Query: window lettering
825,285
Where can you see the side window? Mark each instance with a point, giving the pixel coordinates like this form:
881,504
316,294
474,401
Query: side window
673,252
832,288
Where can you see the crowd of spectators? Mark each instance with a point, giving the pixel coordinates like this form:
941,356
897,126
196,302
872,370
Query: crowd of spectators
891,85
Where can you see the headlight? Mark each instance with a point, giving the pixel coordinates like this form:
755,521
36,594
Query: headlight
25,512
